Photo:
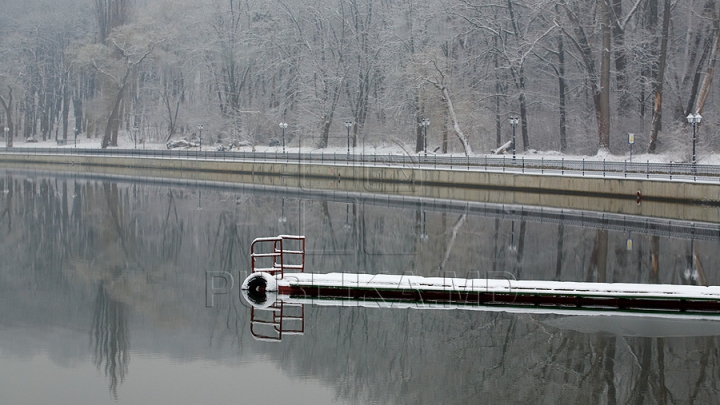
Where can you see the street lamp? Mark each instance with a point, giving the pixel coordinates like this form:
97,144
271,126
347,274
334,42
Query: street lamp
283,125
200,128
7,139
348,124
135,130
695,121
75,130
425,123
513,122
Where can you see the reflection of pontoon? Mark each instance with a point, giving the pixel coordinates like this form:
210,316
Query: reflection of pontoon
287,283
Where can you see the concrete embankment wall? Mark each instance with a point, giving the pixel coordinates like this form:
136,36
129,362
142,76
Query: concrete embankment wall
665,199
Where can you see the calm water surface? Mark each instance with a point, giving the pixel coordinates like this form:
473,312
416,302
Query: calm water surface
103,300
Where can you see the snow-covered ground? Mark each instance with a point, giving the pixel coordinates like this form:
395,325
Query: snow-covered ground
387,149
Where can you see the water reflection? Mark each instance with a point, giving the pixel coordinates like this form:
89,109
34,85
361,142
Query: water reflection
127,260
110,339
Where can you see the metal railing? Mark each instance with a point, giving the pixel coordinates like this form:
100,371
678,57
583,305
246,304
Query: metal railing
278,254
530,165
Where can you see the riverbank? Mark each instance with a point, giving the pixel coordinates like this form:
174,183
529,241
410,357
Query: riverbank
672,199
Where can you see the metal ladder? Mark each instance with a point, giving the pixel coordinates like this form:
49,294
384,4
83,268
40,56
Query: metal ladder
271,323
287,253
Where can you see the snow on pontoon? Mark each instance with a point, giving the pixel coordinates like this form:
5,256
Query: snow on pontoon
283,285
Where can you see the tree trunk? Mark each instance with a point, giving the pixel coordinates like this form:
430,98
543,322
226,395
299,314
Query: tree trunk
600,90
65,107
657,110
456,125
7,105
419,140
523,112
693,70
618,34
113,121
603,107
561,91
328,118
708,79
498,92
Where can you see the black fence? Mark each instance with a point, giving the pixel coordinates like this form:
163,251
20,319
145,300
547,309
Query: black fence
573,167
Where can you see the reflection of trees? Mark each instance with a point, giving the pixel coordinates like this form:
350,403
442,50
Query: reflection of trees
172,230
451,241
230,254
520,250
7,189
423,357
559,252
110,338
89,240
598,258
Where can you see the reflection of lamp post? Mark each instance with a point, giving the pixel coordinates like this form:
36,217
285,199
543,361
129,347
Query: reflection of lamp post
283,125
512,246
282,218
513,122
694,120
135,131
425,123
200,128
75,130
347,226
423,231
7,138
348,124
199,207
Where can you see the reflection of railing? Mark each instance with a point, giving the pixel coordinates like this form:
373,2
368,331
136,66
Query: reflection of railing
281,256
271,323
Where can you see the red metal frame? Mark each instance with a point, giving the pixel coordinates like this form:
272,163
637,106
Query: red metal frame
273,329
278,255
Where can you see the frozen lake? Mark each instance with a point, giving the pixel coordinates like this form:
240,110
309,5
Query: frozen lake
103,294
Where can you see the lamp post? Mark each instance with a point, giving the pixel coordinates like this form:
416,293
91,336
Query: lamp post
694,120
513,122
7,139
200,128
348,124
75,131
135,131
283,125
425,123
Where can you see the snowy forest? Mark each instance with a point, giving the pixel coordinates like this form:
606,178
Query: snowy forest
579,74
